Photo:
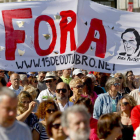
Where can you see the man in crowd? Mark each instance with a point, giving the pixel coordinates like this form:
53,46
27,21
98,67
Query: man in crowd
41,83
62,95
77,73
66,76
50,81
23,80
75,122
15,79
10,129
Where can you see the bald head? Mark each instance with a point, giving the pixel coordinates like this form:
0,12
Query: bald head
14,78
62,84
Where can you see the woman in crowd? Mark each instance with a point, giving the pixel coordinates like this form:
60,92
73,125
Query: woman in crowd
88,89
45,109
25,109
109,127
126,104
123,87
54,128
33,92
107,102
130,80
76,85
93,122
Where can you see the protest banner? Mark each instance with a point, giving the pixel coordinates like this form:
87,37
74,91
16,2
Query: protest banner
59,34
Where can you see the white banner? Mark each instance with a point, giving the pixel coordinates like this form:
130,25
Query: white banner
59,34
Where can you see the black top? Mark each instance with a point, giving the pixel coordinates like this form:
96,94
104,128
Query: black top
127,132
98,90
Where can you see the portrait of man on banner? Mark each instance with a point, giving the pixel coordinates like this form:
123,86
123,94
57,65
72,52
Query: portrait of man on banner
131,42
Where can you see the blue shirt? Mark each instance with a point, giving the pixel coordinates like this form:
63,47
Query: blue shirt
103,104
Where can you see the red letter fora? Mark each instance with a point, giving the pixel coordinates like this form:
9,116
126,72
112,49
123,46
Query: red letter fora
95,24
65,28
12,37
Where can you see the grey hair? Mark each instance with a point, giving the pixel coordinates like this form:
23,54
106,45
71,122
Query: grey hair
71,110
8,92
22,76
111,81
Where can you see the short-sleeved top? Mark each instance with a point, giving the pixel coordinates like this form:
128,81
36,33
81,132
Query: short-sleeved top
42,133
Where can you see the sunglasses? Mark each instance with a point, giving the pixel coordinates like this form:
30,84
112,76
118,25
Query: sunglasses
2,71
50,110
79,86
63,90
56,126
120,77
35,81
116,84
48,81
124,103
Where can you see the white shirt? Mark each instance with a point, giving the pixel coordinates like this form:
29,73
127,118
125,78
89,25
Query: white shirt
18,90
63,108
44,95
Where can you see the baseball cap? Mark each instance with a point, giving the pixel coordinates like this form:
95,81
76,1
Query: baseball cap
77,71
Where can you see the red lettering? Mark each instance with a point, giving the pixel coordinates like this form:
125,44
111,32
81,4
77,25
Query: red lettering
12,37
36,35
95,24
65,28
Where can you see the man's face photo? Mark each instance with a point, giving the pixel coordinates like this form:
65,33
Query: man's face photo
130,43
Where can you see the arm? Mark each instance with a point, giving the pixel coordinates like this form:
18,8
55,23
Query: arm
98,107
35,135
23,116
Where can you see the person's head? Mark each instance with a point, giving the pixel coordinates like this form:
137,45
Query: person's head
15,79
62,92
2,82
41,76
66,73
46,108
32,91
8,107
76,85
59,73
2,72
77,73
93,78
131,41
129,76
112,84
126,103
86,102
75,122
122,79
23,80
33,81
88,85
24,98
54,128
50,80
109,126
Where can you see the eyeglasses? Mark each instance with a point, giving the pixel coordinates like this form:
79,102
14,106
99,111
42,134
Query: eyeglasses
56,126
48,81
25,102
79,86
124,103
50,110
116,84
63,90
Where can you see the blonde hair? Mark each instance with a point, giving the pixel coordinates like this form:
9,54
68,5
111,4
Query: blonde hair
21,96
123,77
75,81
32,91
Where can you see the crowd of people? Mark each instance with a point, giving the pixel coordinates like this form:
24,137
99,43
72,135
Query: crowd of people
70,104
